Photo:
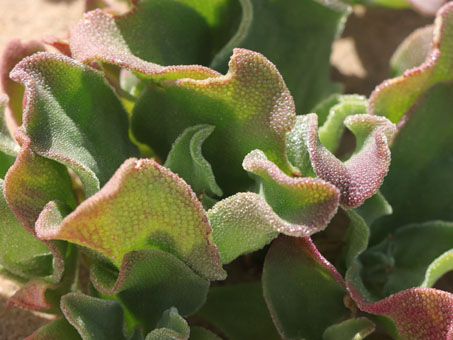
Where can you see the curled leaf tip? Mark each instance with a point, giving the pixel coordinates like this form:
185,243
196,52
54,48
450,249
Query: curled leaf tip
360,176
143,205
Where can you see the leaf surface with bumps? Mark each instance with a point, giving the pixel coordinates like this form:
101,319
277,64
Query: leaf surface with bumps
144,205
250,108
73,117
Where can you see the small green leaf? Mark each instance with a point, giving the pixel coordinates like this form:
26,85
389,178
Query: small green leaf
239,312
7,144
303,291
170,327
147,285
186,160
352,329
73,117
437,268
94,319
297,37
144,205
374,208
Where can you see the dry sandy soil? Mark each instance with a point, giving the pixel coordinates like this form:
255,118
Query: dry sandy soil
360,60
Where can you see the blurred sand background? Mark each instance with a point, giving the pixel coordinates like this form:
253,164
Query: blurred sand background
360,60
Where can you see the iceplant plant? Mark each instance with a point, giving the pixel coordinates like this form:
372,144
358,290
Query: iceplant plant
142,156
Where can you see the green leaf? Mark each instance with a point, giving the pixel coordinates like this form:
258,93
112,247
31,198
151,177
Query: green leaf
73,117
437,268
13,53
165,32
402,261
147,285
420,179
395,97
144,205
296,36
94,319
360,176
170,327
352,329
413,51
20,252
8,147
250,107
186,160
303,291
374,208
235,309
55,330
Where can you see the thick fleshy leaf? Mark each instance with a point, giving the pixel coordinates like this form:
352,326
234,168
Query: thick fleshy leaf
419,313
352,329
8,147
361,175
250,107
93,318
147,285
170,327
440,266
401,261
186,160
374,208
307,202
296,36
413,51
395,97
73,117
144,205
14,52
420,180
303,291
20,252
55,331
164,32
235,310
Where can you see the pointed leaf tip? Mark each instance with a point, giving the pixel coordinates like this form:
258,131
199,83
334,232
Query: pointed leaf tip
143,205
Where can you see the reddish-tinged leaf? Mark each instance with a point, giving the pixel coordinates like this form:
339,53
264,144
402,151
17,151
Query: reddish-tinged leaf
153,33
32,296
250,107
62,45
144,205
360,176
72,116
394,97
14,52
428,7
419,313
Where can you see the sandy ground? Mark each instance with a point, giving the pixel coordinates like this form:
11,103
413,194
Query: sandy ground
360,58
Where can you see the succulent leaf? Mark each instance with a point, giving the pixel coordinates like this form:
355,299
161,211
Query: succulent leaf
250,107
272,27
199,333
144,205
186,160
73,117
303,291
360,176
55,330
147,285
154,33
170,327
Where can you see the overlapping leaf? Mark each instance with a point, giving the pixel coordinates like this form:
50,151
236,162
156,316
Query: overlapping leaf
8,147
73,117
250,107
144,205
14,52
420,181
170,327
303,291
147,285
352,329
155,33
296,36
360,176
